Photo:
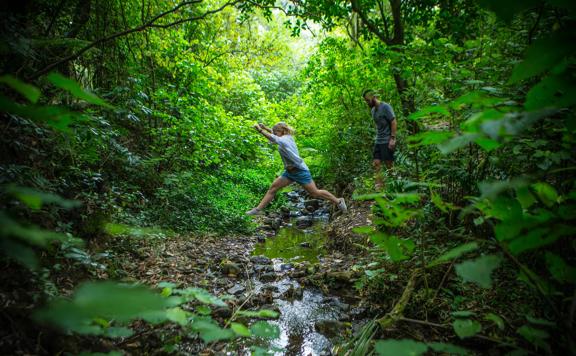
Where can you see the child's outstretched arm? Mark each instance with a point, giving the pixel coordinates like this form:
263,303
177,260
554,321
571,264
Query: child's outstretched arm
258,127
264,127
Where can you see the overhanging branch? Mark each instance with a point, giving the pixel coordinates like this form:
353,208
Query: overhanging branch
150,24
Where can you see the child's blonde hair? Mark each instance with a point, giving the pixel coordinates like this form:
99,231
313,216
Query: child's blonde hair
283,128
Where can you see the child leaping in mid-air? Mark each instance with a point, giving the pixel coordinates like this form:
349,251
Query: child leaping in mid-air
295,170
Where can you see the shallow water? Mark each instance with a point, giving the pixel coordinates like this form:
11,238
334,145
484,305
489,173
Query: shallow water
287,244
298,317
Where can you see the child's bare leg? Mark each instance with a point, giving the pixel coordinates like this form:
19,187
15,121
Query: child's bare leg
319,193
278,184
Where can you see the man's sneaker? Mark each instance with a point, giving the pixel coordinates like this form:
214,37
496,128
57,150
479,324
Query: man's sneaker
342,205
254,211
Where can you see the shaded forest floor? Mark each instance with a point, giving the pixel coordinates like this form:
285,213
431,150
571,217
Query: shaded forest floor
227,267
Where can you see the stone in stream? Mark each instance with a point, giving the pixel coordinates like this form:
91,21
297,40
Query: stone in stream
305,244
230,268
263,268
268,277
286,267
270,287
304,221
236,290
260,260
329,328
312,204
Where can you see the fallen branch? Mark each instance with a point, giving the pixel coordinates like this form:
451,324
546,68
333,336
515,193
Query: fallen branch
396,313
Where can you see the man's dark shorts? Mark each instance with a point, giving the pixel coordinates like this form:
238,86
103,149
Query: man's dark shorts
382,152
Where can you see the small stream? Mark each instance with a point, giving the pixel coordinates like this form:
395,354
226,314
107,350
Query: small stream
300,316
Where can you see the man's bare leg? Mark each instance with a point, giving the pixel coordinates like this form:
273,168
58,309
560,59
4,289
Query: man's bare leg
379,184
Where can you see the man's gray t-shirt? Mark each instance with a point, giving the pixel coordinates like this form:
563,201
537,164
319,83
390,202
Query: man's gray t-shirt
383,116
288,152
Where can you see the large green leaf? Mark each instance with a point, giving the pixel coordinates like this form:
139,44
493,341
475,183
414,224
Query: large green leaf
73,88
100,299
449,349
542,56
56,117
265,330
559,269
210,331
429,138
479,270
507,9
29,91
404,347
425,112
454,253
546,193
264,313
457,142
466,327
554,91
35,199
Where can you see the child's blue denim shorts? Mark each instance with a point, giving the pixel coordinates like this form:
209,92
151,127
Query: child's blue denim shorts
301,176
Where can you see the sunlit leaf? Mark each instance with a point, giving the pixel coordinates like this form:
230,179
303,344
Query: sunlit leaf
73,88
177,315
29,91
495,319
546,193
240,329
265,330
264,313
425,112
35,199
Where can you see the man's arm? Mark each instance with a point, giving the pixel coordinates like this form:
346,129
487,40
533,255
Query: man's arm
393,128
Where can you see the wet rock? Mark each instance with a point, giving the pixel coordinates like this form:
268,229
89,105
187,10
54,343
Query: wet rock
230,268
270,287
221,312
359,312
286,267
329,328
263,268
261,260
261,238
273,222
236,290
341,276
268,277
312,204
304,221
293,293
335,302
298,274
293,196
305,244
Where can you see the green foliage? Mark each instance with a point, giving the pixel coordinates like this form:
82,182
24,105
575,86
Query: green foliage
411,347
479,270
